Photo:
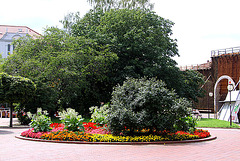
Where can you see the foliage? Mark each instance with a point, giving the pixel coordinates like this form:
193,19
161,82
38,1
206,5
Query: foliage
130,4
99,114
62,135
71,120
40,122
45,97
190,88
94,133
69,69
143,43
140,38
15,89
143,103
1,62
22,116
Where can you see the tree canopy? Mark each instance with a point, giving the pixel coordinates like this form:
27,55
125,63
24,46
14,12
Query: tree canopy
15,89
143,43
78,67
119,4
65,64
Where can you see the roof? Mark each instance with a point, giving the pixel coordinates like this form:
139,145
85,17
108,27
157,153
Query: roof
17,29
203,66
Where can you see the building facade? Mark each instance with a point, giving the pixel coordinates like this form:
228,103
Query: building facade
9,33
223,62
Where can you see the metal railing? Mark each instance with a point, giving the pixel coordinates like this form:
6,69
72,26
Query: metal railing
227,51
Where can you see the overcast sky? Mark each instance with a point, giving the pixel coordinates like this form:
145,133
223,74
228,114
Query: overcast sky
200,26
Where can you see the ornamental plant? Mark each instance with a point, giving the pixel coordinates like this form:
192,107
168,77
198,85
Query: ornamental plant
99,114
40,122
71,120
147,104
94,133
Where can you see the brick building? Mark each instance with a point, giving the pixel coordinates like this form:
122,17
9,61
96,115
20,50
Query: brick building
223,62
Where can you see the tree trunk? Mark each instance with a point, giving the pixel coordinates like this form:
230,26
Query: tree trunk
11,111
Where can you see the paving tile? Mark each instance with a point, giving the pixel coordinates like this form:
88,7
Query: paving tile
225,147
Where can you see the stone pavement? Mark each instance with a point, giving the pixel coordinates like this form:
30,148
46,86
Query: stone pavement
4,122
225,147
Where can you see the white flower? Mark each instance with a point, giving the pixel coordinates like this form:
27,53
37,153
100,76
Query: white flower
45,112
39,110
29,114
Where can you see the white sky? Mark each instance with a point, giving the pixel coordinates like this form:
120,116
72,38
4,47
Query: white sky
200,26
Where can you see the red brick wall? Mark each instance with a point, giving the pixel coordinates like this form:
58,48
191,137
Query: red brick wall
221,65
228,65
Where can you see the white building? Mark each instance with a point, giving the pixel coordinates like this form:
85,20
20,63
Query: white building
9,33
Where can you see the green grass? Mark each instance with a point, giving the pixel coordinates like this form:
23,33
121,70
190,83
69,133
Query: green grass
204,122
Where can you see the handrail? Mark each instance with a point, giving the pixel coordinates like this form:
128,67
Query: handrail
232,50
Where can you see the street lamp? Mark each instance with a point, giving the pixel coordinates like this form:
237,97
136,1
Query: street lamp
230,88
210,95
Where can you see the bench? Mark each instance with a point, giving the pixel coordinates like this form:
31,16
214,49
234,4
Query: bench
196,113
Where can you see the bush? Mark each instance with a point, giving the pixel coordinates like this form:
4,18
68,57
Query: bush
40,122
23,119
99,114
22,116
71,120
147,104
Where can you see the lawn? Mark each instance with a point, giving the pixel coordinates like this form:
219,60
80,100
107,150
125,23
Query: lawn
204,122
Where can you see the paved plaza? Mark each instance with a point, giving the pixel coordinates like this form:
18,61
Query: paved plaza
225,147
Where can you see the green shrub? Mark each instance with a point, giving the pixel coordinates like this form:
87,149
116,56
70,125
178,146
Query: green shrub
71,120
147,104
40,122
22,116
99,114
23,119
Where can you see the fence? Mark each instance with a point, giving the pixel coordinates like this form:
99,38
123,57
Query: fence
227,51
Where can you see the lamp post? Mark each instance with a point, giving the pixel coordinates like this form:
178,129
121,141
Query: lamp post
230,88
210,95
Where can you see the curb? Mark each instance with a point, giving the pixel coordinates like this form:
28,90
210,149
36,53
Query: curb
120,143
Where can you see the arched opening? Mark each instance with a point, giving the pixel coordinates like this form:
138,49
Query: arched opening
215,91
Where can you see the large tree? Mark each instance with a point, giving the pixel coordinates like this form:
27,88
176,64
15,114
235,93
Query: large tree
119,4
63,65
143,42
15,89
141,39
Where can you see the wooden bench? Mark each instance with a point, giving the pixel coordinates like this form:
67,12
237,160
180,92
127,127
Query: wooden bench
196,113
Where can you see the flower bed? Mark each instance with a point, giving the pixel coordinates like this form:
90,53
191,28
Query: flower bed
96,133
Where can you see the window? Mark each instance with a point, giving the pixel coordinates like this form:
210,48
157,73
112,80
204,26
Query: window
9,47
